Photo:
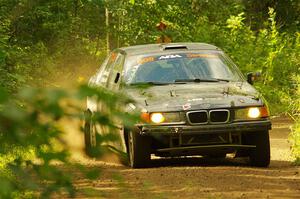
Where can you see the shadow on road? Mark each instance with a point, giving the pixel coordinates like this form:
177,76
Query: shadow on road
210,162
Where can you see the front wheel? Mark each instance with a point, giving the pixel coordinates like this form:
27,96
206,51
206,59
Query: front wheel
138,149
260,156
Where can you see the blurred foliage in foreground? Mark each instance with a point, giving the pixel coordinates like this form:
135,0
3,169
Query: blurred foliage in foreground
295,134
31,141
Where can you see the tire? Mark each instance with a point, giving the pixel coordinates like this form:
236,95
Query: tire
139,154
260,156
90,136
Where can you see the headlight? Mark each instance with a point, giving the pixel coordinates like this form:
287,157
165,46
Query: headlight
157,118
251,113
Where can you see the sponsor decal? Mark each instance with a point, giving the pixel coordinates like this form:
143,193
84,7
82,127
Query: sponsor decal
146,60
201,55
113,56
172,56
186,106
169,57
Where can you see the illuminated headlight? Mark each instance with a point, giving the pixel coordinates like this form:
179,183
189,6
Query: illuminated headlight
157,118
251,113
254,113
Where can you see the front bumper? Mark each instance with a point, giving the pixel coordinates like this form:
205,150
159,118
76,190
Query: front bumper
248,126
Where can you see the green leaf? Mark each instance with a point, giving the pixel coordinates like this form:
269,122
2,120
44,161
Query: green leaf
2,57
3,95
6,187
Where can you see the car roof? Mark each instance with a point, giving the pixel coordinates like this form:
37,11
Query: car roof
156,48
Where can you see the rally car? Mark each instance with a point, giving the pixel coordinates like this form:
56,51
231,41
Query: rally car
197,102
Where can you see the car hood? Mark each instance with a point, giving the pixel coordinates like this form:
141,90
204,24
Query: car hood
194,96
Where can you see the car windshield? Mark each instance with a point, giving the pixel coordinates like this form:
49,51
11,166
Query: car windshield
181,67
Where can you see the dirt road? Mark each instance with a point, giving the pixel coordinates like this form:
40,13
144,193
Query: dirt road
200,177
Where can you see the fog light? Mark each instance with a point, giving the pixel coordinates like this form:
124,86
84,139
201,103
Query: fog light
254,113
157,118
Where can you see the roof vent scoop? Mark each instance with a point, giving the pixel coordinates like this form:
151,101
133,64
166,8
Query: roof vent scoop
174,47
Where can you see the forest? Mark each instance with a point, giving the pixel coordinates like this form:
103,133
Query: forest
50,48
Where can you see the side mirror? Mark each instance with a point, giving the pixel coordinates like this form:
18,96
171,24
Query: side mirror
252,77
117,77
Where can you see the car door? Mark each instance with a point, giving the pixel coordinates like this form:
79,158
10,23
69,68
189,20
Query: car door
113,84
109,77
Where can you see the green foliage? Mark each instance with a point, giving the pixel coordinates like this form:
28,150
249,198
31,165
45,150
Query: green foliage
235,22
43,40
287,13
267,51
53,43
295,114
31,139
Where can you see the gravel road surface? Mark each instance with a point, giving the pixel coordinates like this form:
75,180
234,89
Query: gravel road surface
196,177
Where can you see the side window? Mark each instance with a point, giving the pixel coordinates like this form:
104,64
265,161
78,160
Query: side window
115,73
103,73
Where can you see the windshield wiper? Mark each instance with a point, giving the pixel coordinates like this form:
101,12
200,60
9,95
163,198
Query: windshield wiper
149,83
201,80
222,80
196,80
